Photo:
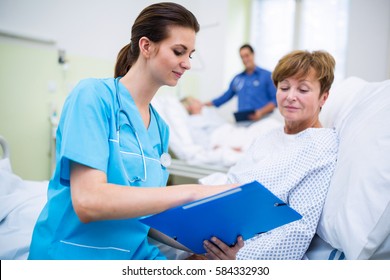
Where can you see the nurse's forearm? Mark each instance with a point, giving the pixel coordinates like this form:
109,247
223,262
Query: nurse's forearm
94,199
135,202
118,202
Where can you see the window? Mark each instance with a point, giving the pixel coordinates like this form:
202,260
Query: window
279,26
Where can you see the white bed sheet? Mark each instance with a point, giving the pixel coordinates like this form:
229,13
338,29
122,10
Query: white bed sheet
21,201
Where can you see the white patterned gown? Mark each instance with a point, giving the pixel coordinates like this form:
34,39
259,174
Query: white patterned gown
296,168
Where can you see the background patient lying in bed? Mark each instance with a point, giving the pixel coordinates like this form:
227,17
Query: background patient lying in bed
200,135
206,125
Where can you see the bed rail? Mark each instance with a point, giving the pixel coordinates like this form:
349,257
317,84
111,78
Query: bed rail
193,171
4,146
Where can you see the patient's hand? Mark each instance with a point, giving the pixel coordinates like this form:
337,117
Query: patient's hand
196,257
217,250
236,149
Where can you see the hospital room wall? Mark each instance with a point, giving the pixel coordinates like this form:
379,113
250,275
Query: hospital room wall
33,88
224,27
368,50
367,53
34,83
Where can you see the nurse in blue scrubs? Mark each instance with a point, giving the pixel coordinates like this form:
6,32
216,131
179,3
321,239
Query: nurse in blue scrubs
112,149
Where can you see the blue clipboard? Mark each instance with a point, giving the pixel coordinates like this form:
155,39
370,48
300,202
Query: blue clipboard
246,210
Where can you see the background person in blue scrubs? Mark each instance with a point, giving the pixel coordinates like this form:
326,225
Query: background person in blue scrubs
111,143
253,87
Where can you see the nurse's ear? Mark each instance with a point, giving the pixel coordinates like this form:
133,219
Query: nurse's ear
146,47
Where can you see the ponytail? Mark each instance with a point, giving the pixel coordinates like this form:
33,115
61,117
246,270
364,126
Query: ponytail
124,61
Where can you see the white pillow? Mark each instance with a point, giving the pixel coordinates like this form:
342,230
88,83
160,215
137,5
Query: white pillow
339,101
176,116
356,217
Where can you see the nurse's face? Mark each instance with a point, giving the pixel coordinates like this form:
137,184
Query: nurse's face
299,102
172,57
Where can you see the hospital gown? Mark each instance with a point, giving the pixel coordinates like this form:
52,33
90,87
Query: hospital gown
296,168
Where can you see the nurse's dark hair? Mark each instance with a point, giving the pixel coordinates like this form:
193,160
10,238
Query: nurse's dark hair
153,22
298,64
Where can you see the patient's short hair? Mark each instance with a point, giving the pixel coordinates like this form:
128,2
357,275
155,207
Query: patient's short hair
186,101
299,63
191,104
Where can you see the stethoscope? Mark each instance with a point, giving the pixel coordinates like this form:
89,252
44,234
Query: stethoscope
239,82
165,158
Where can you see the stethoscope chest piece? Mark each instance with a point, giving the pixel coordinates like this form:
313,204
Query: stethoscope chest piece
165,160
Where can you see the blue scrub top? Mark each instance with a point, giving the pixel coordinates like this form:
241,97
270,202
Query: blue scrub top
87,135
254,91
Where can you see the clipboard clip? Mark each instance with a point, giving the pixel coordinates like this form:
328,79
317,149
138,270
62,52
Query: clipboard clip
279,204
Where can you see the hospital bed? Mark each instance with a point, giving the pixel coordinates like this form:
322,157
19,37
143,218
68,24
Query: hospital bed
355,220
193,171
20,204
194,158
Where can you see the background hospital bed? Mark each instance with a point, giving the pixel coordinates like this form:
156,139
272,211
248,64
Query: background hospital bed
192,160
20,204
355,220
182,172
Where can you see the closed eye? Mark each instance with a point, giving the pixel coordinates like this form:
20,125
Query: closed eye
178,53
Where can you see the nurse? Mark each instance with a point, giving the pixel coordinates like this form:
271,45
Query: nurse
112,149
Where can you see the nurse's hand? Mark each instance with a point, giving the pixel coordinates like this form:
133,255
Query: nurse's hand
257,115
217,250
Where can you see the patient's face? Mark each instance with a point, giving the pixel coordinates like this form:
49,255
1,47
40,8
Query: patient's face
299,100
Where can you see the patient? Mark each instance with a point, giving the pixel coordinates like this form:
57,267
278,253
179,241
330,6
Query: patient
295,162
205,124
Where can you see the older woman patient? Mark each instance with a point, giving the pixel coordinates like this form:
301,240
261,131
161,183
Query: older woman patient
295,162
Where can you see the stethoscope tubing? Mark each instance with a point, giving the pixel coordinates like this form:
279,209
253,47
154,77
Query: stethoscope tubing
142,155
